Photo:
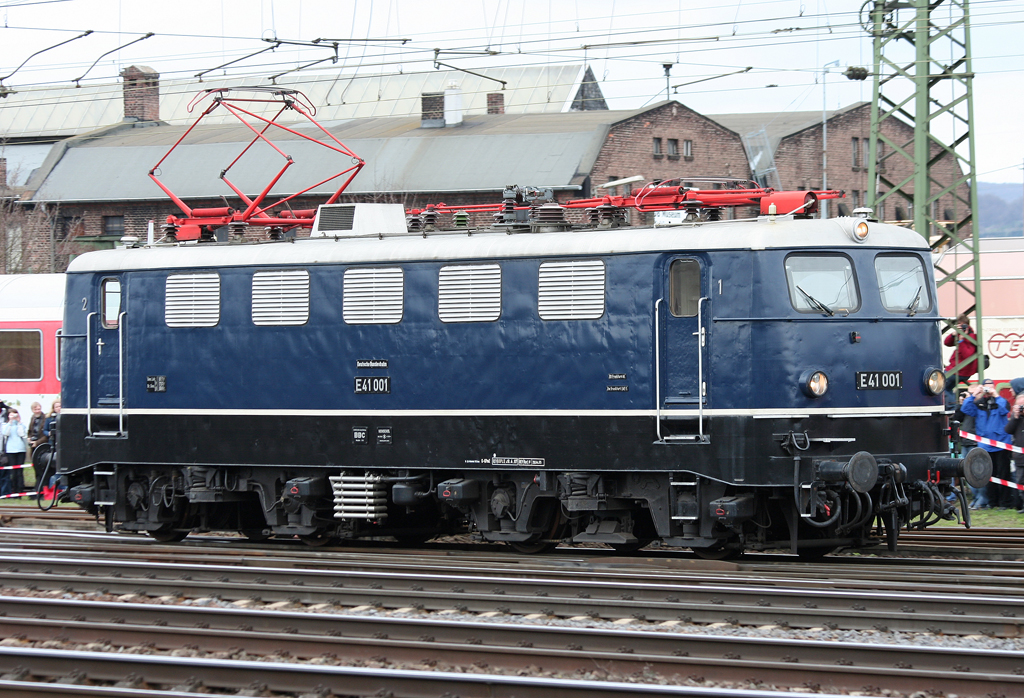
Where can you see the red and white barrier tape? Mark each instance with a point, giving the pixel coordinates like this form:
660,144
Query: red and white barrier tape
15,467
17,494
1007,483
998,444
991,442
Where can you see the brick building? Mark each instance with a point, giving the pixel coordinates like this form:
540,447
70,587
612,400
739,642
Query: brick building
787,151
97,188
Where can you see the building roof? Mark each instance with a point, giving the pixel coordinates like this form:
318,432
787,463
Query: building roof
485,153
69,111
778,125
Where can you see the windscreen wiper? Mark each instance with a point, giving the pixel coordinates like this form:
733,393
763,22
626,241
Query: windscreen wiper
816,303
912,308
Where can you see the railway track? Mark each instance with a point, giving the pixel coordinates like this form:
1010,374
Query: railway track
959,600
209,632
589,614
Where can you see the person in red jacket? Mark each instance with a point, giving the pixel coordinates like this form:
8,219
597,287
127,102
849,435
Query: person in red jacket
965,349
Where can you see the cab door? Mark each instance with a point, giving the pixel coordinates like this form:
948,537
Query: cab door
105,328
683,350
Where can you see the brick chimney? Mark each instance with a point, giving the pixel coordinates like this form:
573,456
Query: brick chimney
432,105
141,93
495,102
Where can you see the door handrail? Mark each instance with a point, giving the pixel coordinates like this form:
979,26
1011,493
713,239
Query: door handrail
657,367
120,372
701,341
88,373
701,335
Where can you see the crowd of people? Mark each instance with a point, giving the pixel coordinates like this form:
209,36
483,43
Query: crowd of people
980,410
25,440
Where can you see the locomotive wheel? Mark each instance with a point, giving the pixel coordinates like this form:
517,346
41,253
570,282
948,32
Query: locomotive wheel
256,535
717,552
814,554
527,548
318,539
629,548
167,535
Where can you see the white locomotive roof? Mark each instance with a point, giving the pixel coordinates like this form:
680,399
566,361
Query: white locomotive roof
747,234
31,297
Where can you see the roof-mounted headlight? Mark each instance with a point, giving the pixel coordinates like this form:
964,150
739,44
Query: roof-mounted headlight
859,230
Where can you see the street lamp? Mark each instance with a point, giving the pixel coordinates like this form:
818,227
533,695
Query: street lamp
824,137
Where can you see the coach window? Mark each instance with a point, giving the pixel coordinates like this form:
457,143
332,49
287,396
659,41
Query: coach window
684,287
21,355
822,283
902,283
111,292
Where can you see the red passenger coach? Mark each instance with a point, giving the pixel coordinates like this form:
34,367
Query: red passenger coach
31,314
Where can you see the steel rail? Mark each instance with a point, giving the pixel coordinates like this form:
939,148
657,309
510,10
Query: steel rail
508,646
226,674
754,602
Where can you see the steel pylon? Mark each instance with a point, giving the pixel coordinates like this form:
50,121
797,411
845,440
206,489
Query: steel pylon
922,78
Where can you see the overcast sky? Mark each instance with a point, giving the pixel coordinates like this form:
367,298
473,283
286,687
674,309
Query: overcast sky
788,44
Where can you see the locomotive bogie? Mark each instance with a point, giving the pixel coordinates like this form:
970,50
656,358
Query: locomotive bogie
733,386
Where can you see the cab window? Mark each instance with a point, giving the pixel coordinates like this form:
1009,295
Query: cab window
902,283
111,295
822,283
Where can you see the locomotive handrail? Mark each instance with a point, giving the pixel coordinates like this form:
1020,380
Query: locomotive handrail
88,373
701,335
657,366
120,372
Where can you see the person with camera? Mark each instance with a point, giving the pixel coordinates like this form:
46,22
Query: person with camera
990,414
1015,426
14,439
966,346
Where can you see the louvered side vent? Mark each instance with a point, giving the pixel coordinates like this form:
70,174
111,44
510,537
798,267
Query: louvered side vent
571,290
280,297
192,300
336,217
373,296
469,293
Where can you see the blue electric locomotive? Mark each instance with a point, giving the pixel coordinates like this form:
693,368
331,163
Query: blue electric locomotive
720,385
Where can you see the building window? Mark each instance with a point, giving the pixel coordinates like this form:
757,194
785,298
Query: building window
612,191
111,294
856,199
280,297
469,293
856,153
21,355
658,152
673,148
571,290
113,225
70,227
192,300
373,296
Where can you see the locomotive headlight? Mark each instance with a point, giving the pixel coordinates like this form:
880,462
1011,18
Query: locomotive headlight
934,381
859,232
814,383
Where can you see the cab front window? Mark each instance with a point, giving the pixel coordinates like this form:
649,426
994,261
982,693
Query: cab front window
822,283
902,283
